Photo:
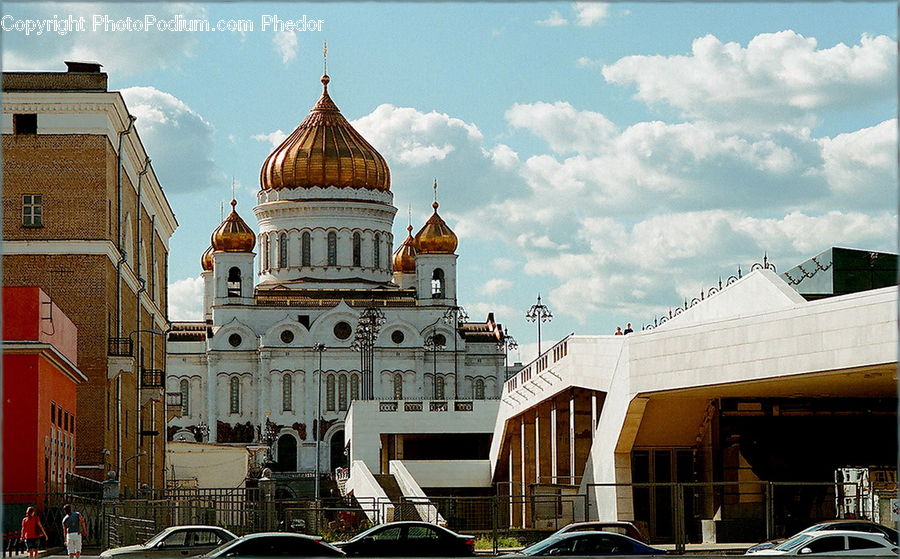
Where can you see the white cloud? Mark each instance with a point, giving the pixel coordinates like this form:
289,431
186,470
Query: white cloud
274,138
478,311
777,76
503,156
586,62
861,166
177,139
118,52
564,128
186,299
590,13
286,44
495,285
555,19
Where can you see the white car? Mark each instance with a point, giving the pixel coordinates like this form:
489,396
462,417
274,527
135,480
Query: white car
175,541
833,543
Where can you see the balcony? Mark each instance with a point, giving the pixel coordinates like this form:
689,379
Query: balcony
153,378
120,347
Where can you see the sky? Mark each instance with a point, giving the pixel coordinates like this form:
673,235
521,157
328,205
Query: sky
616,158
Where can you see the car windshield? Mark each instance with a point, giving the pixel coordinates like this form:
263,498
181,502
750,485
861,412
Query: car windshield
215,552
796,541
158,537
367,533
540,546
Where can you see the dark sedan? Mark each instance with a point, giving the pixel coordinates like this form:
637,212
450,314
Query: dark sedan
409,539
615,526
591,544
275,544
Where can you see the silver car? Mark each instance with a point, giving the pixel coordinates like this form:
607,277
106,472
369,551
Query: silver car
175,541
833,543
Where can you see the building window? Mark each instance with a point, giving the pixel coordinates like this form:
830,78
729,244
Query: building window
282,250
376,251
235,395
185,388
354,387
332,249
304,249
438,388
478,389
264,257
234,282
398,386
342,330
287,396
437,284
357,250
329,393
33,210
25,124
342,392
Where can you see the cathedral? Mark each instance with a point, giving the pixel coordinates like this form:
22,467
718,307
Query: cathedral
334,315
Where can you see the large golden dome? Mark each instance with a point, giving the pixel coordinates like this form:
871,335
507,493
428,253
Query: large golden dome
436,237
405,255
206,261
233,235
325,150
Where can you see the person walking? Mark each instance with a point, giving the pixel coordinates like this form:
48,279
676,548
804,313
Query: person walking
32,531
75,528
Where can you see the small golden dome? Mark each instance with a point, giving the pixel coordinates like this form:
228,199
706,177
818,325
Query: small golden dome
233,235
436,237
325,150
206,261
405,255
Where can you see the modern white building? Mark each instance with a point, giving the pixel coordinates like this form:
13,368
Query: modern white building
332,315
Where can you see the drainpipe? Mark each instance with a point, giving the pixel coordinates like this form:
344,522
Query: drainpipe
142,287
127,130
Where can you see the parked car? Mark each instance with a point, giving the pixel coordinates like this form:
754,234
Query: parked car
829,543
852,525
616,527
275,544
593,544
175,541
409,539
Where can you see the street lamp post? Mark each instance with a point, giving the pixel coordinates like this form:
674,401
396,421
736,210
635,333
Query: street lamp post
539,313
432,344
507,343
319,348
367,329
456,316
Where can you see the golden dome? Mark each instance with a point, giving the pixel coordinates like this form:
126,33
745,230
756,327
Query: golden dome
436,237
206,261
233,235
405,255
325,150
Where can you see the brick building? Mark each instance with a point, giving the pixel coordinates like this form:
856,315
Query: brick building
39,393
86,220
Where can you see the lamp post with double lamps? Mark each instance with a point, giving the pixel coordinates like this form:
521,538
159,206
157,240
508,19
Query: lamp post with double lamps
539,313
367,329
319,348
456,316
507,343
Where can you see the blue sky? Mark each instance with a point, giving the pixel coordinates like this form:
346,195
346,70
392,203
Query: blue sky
614,157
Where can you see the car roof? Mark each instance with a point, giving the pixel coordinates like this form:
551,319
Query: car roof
270,534
196,527
878,536
601,523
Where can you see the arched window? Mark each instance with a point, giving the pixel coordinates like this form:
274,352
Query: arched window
264,257
478,389
287,393
398,386
304,249
376,251
329,393
437,284
332,248
282,250
342,392
234,282
234,394
354,387
357,250
185,388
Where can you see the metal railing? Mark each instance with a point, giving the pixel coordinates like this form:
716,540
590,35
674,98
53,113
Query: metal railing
120,347
153,378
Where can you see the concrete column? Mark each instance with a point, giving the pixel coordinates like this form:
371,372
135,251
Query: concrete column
515,470
212,393
529,457
563,440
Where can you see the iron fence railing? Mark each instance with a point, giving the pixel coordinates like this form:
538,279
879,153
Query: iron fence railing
120,347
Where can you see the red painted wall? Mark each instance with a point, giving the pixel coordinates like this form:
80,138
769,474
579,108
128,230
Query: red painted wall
33,384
